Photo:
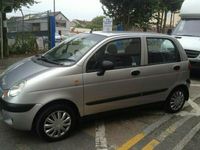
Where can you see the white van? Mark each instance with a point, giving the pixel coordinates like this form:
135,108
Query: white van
188,31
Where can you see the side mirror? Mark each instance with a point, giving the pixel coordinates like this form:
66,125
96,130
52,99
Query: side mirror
106,65
169,31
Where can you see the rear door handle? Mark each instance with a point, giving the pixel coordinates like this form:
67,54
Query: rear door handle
135,73
177,68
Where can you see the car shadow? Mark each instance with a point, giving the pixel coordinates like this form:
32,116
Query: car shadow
123,114
195,75
31,138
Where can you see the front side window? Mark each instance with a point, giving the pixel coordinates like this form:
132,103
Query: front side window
72,50
161,51
122,53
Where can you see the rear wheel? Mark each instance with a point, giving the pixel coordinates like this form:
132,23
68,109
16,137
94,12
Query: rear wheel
56,122
175,100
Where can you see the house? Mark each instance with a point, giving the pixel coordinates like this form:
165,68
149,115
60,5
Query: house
79,23
38,23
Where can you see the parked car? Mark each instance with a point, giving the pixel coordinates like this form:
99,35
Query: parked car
93,73
188,31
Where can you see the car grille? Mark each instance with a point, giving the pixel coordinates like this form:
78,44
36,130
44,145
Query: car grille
192,53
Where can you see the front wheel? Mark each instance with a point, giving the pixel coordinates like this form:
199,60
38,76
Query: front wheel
175,100
55,122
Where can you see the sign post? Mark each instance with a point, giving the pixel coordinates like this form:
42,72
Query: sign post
107,24
5,7
1,30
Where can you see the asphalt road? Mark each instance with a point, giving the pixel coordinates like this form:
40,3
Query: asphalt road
141,128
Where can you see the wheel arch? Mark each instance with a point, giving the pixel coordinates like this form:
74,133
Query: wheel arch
185,88
60,101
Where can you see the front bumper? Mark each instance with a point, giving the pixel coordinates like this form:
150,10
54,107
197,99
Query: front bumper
19,116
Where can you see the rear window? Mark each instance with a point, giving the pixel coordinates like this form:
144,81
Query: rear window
161,51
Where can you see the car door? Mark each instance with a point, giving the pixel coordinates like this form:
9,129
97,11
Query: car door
162,69
118,87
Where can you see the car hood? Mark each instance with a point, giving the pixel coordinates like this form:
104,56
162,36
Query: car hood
20,71
189,43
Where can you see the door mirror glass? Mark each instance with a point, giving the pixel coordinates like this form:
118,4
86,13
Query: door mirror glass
106,65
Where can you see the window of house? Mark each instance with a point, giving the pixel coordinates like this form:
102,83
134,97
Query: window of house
123,53
36,26
162,50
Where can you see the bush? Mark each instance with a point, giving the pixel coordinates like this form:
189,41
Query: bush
24,44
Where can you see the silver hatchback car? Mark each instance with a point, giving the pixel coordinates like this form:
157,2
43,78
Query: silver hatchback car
93,73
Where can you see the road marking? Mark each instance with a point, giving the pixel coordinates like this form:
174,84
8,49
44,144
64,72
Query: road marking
170,130
195,85
130,143
100,138
194,112
22,147
151,145
187,138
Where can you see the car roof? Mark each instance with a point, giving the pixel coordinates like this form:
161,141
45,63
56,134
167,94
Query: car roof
123,33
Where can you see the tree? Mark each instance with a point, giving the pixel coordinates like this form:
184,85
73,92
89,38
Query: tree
140,13
130,12
144,11
121,11
175,6
163,7
96,23
17,4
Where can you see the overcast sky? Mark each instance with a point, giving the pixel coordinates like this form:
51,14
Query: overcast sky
72,9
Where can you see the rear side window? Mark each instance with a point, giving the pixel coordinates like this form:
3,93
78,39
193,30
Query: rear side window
161,51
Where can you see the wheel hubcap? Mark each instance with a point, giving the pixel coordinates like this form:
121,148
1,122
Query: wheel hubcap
57,124
177,100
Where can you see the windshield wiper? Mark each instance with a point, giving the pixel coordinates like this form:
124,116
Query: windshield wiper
64,59
43,58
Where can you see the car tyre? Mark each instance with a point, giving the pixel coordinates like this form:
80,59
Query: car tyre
55,122
175,100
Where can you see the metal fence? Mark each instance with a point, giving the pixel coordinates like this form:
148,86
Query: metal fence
29,30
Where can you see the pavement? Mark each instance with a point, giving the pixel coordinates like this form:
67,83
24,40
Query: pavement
140,128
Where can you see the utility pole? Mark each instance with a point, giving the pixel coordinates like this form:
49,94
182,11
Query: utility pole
1,30
54,7
5,7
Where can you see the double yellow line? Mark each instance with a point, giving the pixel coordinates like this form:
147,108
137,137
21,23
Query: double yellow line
133,141
156,141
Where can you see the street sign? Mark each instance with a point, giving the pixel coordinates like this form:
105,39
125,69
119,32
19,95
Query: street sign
107,24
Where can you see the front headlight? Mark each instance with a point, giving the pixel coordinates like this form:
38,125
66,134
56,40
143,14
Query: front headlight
16,89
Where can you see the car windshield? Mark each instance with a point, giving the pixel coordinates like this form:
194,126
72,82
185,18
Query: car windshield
73,49
188,28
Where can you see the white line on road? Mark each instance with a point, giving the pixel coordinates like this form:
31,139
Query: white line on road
195,106
195,85
100,139
157,124
187,138
172,128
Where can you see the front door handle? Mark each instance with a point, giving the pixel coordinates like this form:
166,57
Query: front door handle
177,68
135,73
